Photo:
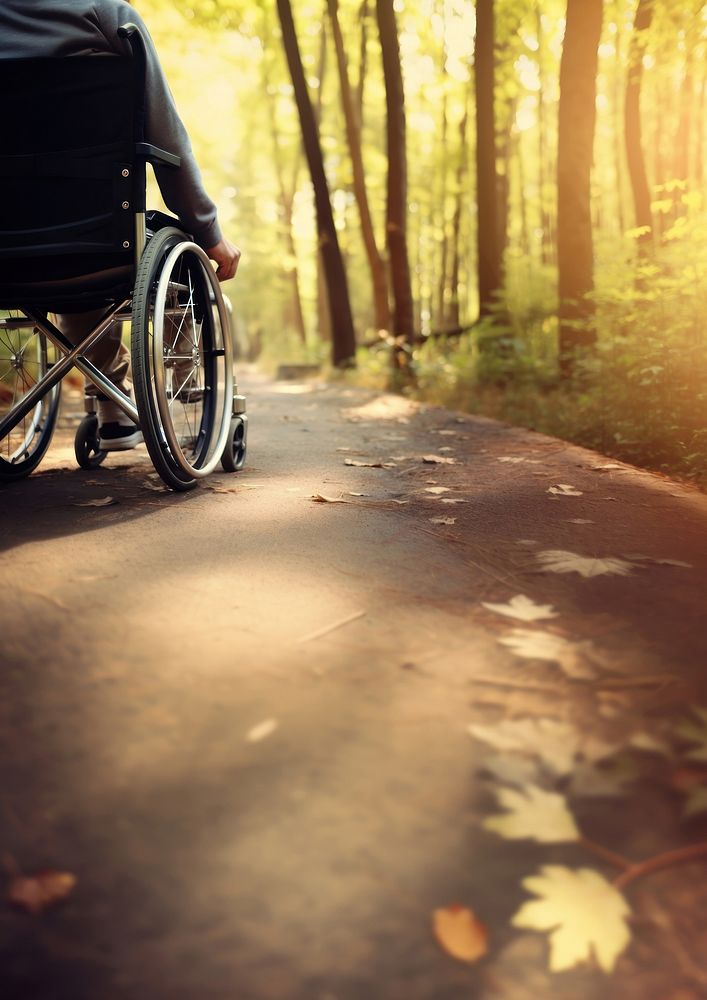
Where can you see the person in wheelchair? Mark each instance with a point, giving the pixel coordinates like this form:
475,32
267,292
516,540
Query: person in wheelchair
59,29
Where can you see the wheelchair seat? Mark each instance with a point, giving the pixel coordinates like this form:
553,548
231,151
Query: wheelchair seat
73,238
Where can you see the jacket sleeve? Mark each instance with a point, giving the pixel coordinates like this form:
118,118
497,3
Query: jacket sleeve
182,189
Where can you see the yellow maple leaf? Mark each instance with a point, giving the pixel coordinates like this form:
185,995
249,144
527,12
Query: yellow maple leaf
585,914
533,813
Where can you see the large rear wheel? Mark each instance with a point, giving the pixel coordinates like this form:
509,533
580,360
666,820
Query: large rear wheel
182,361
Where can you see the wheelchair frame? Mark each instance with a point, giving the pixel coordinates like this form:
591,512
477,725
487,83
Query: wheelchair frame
172,277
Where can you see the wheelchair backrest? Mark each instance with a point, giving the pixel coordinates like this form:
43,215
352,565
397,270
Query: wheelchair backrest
67,170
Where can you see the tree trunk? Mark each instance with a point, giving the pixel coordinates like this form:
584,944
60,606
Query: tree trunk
441,308
634,147
489,257
460,199
343,336
619,129
403,317
577,117
363,60
376,263
546,236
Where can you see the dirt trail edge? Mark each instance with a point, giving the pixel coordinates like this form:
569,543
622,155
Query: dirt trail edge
408,660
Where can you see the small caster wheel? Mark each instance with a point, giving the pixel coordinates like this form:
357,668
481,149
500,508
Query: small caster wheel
233,458
86,448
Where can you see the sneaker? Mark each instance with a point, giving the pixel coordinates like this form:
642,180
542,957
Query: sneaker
119,437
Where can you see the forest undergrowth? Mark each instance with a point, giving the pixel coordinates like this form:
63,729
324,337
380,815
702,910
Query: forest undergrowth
640,395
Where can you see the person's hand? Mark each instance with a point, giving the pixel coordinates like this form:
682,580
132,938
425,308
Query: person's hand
226,256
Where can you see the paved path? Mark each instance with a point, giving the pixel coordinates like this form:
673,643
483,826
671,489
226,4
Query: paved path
240,717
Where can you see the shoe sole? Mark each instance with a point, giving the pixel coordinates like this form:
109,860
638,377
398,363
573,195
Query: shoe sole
121,444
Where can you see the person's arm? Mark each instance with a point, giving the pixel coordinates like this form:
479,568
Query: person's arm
182,189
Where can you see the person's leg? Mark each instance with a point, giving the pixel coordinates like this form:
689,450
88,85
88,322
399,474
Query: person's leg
117,432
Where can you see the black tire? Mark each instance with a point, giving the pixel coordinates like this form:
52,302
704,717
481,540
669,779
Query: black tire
23,362
148,273
234,454
181,355
86,447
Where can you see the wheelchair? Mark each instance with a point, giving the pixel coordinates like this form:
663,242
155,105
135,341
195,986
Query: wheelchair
75,236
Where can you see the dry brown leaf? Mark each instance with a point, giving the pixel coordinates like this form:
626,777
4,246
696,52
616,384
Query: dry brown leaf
104,502
354,463
443,520
565,490
320,498
438,460
533,644
35,893
559,561
460,933
522,608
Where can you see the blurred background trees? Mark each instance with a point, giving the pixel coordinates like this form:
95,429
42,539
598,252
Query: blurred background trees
516,189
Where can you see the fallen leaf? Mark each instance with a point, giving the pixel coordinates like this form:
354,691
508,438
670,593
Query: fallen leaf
320,498
608,467
460,933
443,520
366,465
438,460
694,731
512,459
148,485
537,645
105,502
659,562
262,731
523,608
357,495
565,490
584,913
447,449
451,500
437,490
557,744
559,561
535,814
579,520
35,893
696,802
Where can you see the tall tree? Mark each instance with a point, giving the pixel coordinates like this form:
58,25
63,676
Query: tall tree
577,119
376,264
490,271
343,336
634,145
403,315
